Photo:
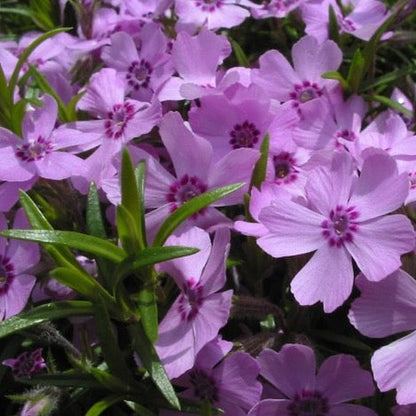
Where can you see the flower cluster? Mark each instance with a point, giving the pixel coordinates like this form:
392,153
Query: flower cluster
213,198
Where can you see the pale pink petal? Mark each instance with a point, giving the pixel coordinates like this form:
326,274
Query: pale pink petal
394,367
341,379
287,221
386,307
290,370
18,294
377,245
327,277
270,407
371,195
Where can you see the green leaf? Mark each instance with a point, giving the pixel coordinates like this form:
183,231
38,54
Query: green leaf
80,282
26,53
132,203
388,78
68,379
356,72
112,382
139,409
389,103
113,356
5,104
17,114
44,313
333,26
239,54
259,171
95,222
99,407
126,230
190,208
62,255
148,356
140,173
337,77
148,312
148,257
71,108
79,241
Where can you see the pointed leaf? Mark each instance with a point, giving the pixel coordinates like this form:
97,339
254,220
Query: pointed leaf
148,312
67,379
259,171
190,208
140,173
239,54
99,407
356,71
79,241
95,222
152,364
126,230
390,103
333,25
337,77
44,313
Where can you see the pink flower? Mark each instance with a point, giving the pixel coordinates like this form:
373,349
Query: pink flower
27,363
292,371
344,218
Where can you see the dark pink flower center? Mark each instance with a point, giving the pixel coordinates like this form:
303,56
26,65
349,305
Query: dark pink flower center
117,120
185,189
204,386
6,274
190,300
305,92
34,150
347,24
284,168
340,226
278,5
138,75
244,135
209,5
412,180
308,403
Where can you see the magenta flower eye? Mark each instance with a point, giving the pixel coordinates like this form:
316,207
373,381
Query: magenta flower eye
203,385
138,75
285,168
244,135
305,92
308,403
6,274
34,150
26,364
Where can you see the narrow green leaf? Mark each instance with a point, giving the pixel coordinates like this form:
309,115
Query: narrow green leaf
113,356
80,282
190,208
44,313
148,257
71,108
148,312
148,356
139,409
388,78
67,379
140,173
26,53
79,241
239,54
259,171
62,255
110,381
389,103
45,87
131,203
333,25
17,114
99,407
356,71
338,77
5,104
126,230
95,222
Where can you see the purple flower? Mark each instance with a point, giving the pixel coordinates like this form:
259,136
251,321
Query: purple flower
37,153
26,364
383,309
200,310
16,258
292,371
229,383
302,82
344,218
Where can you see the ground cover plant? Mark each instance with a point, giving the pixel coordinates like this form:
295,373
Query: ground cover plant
207,207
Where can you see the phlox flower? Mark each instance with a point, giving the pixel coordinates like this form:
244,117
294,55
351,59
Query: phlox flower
213,14
302,82
229,383
360,18
16,258
144,70
275,8
37,153
404,410
383,309
307,392
344,218
200,310
195,172
26,364
196,59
